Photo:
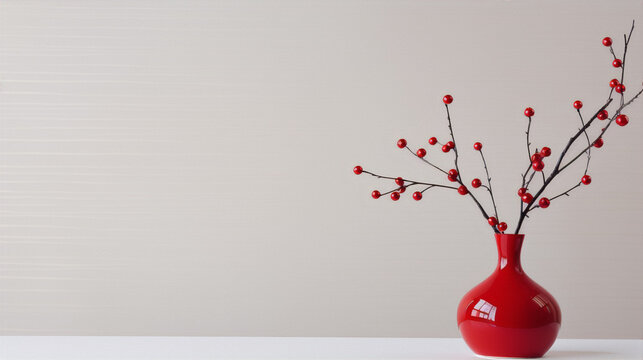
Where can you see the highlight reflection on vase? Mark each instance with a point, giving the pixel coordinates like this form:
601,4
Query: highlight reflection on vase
508,314
484,310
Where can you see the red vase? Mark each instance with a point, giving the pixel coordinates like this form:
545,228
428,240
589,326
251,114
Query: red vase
508,314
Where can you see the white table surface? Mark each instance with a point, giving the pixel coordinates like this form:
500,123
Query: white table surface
136,347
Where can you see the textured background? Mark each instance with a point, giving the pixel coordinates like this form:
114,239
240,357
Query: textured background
184,167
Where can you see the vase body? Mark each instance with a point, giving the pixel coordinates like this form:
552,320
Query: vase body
508,314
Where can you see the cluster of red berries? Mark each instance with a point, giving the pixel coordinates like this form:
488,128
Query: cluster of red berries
401,143
617,86
494,222
448,147
527,198
537,162
395,195
621,120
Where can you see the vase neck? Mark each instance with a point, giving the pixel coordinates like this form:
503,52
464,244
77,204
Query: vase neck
509,246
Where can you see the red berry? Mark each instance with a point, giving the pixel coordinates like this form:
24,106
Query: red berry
492,221
613,83
376,194
522,191
607,41
358,170
545,151
622,120
502,226
538,165
433,141
527,198
477,146
421,153
451,145
529,112
586,179
452,178
578,104
399,181
536,157
476,183
620,88
462,190
417,196
447,99
402,189
445,148
453,172
598,143
617,63
395,196
543,203
602,115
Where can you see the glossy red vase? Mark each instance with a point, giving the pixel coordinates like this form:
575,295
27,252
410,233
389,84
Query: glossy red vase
508,314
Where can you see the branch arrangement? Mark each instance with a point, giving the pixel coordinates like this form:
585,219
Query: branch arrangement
536,158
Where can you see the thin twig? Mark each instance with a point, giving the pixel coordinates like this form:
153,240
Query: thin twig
486,170
411,182
426,161
589,143
528,143
529,181
524,175
455,147
565,193
427,188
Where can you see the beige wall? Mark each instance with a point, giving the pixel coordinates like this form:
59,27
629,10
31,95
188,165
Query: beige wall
184,168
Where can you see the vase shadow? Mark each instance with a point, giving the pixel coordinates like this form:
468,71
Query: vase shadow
572,354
